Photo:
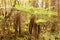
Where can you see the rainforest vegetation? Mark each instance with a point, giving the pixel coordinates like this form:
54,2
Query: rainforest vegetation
29,20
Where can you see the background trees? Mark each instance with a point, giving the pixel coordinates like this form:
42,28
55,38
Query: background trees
15,16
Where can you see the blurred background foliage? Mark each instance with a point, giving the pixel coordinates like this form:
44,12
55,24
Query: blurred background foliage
16,17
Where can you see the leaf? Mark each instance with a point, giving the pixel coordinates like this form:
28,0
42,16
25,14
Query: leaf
37,11
40,20
23,8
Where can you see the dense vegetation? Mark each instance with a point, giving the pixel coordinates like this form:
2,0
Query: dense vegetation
28,23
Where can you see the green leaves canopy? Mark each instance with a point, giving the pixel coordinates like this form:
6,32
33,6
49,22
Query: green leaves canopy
34,10
37,11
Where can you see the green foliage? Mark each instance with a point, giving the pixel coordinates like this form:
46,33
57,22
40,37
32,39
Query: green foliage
40,20
46,13
23,8
33,10
1,17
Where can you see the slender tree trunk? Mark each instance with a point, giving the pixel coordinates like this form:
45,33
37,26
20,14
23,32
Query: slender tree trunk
17,24
31,25
34,29
58,15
